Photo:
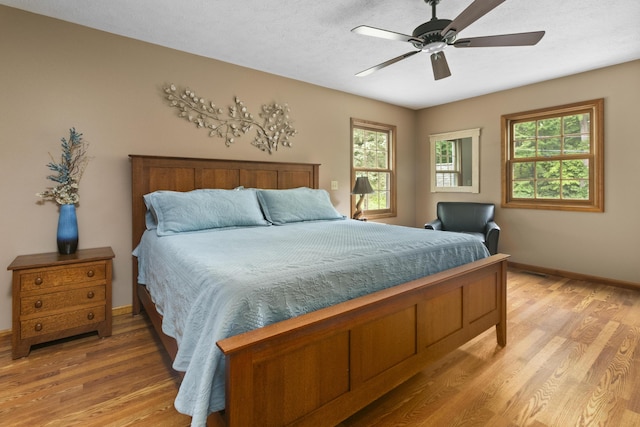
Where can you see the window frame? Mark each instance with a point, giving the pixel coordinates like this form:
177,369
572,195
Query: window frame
391,131
473,162
595,202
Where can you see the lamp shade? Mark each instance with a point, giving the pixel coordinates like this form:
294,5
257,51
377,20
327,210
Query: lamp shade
362,186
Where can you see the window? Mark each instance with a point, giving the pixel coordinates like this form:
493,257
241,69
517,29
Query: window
554,158
447,159
454,161
373,156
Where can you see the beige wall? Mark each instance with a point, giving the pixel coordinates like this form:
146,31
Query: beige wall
56,75
599,244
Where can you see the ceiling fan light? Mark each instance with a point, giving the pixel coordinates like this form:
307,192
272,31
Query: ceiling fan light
434,47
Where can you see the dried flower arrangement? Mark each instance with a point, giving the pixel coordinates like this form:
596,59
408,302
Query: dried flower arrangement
72,164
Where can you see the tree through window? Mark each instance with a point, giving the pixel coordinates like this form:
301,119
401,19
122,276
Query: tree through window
553,158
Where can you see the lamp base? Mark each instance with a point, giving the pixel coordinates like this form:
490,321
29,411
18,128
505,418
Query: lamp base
360,217
358,214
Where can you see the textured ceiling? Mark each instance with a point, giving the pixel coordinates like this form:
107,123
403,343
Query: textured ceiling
311,41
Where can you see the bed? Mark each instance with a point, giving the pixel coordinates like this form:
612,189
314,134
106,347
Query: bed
316,367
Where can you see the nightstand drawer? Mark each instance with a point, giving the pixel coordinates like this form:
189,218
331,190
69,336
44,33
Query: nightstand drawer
52,324
59,300
52,277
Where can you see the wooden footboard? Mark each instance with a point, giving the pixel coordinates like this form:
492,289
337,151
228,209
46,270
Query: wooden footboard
320,368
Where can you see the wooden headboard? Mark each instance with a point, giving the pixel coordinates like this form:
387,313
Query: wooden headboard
151,173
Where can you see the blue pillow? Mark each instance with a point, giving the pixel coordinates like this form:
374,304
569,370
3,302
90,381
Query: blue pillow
177,212
296,205
149,218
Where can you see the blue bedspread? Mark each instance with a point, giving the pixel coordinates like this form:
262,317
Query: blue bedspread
211,285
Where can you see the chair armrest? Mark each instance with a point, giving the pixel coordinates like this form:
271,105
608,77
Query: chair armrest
492,234
436,224
491,226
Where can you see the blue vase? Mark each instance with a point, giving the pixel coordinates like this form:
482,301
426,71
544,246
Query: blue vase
67,230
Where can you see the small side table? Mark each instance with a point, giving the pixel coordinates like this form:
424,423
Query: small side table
57,296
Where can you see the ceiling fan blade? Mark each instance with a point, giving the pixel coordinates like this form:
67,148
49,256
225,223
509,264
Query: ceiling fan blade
386,63
385,34
519,39
440,66
471,14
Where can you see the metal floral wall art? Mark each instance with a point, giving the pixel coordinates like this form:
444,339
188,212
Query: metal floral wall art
273,129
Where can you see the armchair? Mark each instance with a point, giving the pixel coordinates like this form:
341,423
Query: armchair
475,219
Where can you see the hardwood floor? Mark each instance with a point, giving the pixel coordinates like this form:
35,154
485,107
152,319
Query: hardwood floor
572,359
121,380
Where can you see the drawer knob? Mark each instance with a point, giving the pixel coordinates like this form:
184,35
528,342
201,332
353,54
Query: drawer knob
38,327
38,304
90,316
90,294
38,280
91,273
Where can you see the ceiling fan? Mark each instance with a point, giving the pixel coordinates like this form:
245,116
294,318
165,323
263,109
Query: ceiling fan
434,36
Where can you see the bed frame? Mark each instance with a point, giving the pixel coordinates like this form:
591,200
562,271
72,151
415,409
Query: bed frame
321,367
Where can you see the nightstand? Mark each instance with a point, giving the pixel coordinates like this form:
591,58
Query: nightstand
56,296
